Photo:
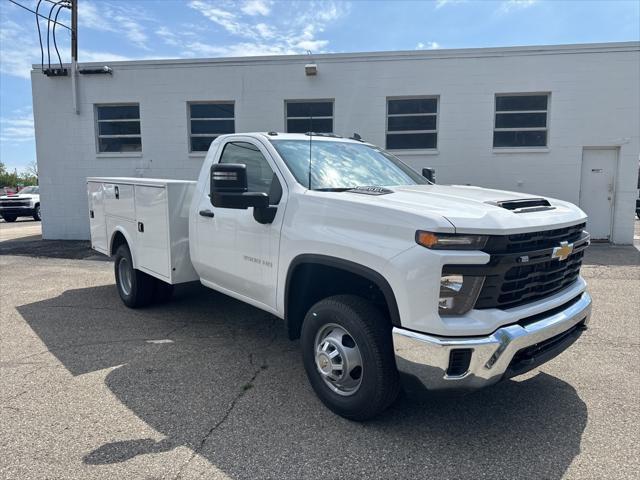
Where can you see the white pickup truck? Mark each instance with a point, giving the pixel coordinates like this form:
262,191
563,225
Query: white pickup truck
388,279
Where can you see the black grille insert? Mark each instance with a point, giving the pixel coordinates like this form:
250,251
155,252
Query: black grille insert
521,269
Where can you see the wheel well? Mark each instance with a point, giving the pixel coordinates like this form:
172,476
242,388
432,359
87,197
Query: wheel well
118,239
310,281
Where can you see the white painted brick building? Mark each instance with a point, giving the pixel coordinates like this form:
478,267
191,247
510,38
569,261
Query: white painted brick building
575,135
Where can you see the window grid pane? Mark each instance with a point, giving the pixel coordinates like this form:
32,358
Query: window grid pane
309,116
118,128
207,121
412,123
521,121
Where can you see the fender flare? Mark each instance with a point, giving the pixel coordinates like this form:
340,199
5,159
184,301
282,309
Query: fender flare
127,238
349,266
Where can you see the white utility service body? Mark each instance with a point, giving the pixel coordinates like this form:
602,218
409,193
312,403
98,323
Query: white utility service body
456,316
152,215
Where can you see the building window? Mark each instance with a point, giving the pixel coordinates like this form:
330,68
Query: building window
309,116
208,120
521,120
412,123
118,128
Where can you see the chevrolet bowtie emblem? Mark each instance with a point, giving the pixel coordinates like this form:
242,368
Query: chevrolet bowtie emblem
563,251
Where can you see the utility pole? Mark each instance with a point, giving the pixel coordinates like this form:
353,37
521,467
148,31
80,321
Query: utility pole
74,54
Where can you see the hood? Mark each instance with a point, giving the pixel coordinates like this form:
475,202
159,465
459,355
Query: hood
17,196
479,210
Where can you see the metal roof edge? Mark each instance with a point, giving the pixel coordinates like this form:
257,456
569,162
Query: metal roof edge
379,56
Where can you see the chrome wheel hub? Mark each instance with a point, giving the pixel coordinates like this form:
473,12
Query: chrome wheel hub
124,275
338,359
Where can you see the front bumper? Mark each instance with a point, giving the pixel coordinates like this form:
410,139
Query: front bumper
20,211
426,361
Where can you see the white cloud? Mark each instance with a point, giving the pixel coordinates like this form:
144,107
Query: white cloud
288,31
120,18
92,56
16,53
242,49
442,3
427,46
226,19
256,7
17,128
513,5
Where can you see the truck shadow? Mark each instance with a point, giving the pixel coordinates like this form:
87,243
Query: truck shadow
222,379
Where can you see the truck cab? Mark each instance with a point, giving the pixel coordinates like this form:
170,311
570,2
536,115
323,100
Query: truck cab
387,279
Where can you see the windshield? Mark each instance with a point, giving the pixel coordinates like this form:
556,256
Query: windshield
33,190
344,165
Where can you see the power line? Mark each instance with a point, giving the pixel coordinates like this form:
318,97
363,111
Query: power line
39,15
55,44
59,4
40,36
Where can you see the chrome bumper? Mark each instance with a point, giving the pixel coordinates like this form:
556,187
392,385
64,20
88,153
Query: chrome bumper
423,360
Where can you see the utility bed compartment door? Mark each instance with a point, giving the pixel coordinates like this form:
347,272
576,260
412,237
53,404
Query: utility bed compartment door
152,230
118,200
97,223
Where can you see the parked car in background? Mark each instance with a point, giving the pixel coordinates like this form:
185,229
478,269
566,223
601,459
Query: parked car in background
26,203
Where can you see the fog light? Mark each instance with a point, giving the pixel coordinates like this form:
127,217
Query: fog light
458,293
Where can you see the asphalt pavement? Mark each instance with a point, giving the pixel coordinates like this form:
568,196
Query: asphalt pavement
207,387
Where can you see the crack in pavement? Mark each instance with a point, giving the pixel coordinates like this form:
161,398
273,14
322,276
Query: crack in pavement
246,387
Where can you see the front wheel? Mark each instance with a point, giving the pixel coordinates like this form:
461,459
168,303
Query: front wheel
36,213
134,287
348,356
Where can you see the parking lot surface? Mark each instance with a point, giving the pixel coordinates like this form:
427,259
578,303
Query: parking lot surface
207,387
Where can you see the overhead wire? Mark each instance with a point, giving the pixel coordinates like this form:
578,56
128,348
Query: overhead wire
55,43
38,14
39,36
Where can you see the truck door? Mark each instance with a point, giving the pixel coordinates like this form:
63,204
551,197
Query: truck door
236,252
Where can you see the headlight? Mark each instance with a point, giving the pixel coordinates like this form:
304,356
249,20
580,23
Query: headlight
450,241
458,293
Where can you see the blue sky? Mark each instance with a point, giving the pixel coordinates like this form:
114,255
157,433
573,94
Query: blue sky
135,29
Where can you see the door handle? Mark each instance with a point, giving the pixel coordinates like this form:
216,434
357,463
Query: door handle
206,213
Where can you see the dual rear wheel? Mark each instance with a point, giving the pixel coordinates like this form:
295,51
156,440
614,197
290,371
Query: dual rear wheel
137,289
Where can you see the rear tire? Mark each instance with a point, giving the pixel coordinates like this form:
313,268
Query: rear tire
36,213
9,218
359,333
134,287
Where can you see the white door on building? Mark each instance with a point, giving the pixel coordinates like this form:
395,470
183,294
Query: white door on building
597,189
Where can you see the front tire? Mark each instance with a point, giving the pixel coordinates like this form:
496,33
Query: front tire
36,213
134,287
348,356
9,218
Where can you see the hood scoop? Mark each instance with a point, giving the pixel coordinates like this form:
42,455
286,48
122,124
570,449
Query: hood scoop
524,205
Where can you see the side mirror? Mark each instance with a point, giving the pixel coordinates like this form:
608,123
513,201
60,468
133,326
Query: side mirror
429,174
228,188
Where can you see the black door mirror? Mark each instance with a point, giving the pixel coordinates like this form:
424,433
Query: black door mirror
429,174
228,188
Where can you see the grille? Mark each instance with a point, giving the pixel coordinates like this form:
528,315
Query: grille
523,270
14,203
523,242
